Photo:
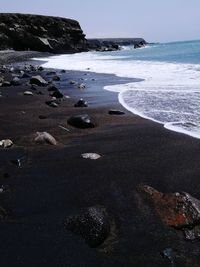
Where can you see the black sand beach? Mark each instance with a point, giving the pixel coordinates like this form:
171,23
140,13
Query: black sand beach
54,182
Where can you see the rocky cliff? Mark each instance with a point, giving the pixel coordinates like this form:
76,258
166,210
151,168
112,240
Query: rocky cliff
41,33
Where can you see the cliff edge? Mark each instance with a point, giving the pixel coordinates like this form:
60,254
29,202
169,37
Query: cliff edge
41,33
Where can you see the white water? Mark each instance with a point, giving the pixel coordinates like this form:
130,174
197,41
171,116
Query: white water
169,94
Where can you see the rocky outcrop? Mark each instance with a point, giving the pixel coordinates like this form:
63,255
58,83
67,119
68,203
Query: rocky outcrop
112,44
41,33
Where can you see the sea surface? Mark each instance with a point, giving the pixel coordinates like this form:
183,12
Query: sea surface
170,90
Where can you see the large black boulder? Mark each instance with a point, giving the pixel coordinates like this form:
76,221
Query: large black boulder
92,224
81,121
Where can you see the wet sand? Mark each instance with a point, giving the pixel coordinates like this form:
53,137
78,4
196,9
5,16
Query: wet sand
54,182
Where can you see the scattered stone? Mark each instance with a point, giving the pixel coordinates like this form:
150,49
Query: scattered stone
6,84
57,94
42,117
93,156
52,103
116,112
81,121
56,78
6,143
44,137
178,210
92,224
81,86
81,103
38,80
63,71
51,73
29,93
73,82
15,81
40,68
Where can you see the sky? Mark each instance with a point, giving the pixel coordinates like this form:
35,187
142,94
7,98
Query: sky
153,20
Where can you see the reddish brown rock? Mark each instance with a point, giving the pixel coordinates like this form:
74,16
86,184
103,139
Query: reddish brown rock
179,210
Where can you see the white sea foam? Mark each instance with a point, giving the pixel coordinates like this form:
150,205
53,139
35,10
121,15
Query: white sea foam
169,94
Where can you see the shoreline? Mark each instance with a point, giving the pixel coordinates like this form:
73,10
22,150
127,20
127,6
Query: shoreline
55,181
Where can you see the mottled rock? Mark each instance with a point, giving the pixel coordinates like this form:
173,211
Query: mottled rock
38,80
44,137
92,224
116,112
81,121
6,143
81,103
178,210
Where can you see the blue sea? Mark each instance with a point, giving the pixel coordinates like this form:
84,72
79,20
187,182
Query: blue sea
170,91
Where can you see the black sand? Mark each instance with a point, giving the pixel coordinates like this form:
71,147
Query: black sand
54,182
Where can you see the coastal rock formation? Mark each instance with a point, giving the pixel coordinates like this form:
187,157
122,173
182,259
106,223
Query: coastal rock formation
113,44
41,33
178,210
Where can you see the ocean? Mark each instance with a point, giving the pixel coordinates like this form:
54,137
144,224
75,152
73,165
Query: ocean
169,92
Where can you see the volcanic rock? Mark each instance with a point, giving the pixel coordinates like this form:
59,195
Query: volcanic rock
81,121
92,224
41,33
116,112
81,103
38,80
178,210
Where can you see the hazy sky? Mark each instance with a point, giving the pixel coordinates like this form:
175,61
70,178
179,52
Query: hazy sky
154,20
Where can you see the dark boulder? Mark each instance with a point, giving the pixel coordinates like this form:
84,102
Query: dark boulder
116,112
15,81
81,121
57,94
56,78
81,103
92,224
38,80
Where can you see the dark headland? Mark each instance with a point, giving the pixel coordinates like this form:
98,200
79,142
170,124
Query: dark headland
84,182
